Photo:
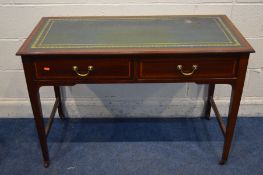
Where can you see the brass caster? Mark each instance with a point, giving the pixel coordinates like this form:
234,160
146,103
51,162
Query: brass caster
46,164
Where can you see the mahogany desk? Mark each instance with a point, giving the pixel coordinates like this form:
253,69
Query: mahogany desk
65,51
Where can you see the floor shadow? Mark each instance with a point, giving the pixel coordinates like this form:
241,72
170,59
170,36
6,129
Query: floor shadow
135,130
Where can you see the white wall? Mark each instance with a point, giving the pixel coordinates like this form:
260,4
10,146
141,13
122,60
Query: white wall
18,17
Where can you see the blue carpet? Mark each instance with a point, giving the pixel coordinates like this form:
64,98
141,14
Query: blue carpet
131,147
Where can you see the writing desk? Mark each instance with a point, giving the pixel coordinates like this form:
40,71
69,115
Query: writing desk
64,51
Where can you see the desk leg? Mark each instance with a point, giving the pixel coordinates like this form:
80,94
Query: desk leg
39,122
236,94
231,122
58,96
211,89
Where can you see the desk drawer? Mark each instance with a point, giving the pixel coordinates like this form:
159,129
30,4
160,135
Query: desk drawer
84,68
169,68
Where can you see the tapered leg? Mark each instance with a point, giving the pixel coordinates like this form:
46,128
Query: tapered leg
58,96
236,94
39,122
33,92
211,89
231,123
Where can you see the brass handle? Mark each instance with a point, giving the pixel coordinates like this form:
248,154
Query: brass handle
75,69
180,68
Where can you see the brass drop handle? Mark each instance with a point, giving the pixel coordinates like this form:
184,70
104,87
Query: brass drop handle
75,69
180,68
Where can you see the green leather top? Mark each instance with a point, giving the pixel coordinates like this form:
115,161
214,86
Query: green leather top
133,32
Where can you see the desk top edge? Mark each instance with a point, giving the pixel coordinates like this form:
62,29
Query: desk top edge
246,47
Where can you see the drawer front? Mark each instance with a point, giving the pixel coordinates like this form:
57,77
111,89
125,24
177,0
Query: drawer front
169,68
84,68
